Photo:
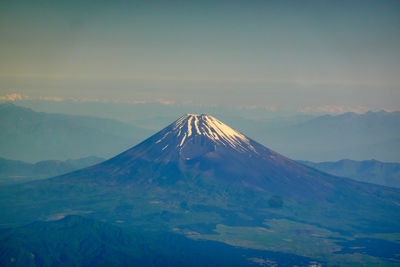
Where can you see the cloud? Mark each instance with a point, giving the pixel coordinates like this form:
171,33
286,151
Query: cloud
50,98
333,109
164,102
261,107
17,97
13,97
339,109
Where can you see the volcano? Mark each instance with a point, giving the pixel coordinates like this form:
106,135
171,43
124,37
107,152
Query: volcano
200,178
202,147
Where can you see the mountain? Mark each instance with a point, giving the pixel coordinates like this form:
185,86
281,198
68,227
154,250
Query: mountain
202,179
371,171
13,171
80,241
372,135
203,146
34,136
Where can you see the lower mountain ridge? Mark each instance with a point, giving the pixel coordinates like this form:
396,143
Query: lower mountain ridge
202,179
75,240
14,171
371,171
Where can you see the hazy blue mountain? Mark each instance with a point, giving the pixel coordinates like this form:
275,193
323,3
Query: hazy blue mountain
14,171
330,138
34,136
200,178
371,171
80,241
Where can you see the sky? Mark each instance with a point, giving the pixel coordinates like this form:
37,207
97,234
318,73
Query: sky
304,55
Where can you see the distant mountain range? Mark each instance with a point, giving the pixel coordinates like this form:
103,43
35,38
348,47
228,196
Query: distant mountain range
372,135
203,180
14,171
35,136
371,171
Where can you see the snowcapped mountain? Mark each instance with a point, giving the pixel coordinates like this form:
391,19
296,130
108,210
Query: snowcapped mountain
199,177
200,147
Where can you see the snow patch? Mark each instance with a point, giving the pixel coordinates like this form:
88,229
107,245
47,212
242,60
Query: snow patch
196,120
189,125
183,140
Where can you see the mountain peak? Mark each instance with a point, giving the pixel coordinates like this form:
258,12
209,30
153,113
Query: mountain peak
203,128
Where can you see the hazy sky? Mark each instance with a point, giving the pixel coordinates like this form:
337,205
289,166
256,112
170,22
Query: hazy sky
298,54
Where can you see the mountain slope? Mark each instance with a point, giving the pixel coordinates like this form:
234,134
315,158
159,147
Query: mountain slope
34,136
371,171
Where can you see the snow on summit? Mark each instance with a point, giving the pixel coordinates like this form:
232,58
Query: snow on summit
191,126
